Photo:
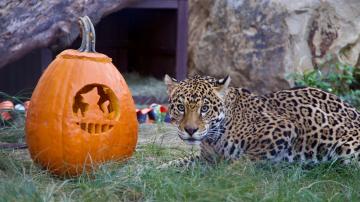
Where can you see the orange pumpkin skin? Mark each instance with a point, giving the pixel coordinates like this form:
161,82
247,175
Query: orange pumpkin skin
67,130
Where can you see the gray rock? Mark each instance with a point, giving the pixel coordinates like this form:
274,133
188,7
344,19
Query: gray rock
259,43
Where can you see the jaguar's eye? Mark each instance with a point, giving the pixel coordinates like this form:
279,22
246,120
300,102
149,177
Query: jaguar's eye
204,109
181,107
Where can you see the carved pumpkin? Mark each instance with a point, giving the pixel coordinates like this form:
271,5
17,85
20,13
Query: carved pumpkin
81,112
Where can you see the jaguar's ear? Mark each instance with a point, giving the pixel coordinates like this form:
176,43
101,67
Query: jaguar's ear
222,85
171,83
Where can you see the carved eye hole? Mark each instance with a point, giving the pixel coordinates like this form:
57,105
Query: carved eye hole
181,107
204,109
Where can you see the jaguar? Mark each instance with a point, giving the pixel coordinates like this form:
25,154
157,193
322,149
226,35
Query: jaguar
304,124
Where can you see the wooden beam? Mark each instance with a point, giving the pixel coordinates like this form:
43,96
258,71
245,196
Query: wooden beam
181,40
156,4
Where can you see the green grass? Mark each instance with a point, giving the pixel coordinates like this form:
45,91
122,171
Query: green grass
139,180
13,131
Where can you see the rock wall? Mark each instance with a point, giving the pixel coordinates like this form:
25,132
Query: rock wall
260,42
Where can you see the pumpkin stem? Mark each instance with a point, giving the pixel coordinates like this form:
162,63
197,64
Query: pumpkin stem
83,31
88,35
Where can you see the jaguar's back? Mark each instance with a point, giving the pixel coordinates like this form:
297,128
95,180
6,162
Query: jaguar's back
329,127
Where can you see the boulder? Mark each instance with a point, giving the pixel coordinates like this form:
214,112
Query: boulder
259,43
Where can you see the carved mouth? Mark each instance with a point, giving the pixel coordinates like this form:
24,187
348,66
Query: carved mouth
95,128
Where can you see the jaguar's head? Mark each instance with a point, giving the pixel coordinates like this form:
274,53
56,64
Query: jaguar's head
197,106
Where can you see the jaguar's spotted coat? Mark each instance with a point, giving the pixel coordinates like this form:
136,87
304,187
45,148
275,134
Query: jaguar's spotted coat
304,124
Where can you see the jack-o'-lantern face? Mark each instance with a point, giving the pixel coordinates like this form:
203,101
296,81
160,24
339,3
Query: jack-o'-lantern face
96,109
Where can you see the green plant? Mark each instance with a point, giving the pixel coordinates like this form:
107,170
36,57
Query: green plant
338,78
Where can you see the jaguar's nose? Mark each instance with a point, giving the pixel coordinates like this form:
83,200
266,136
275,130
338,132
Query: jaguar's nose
191,131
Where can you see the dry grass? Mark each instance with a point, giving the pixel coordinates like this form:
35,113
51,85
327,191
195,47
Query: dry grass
146,86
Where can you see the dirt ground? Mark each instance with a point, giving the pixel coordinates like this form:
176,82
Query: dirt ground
161,134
